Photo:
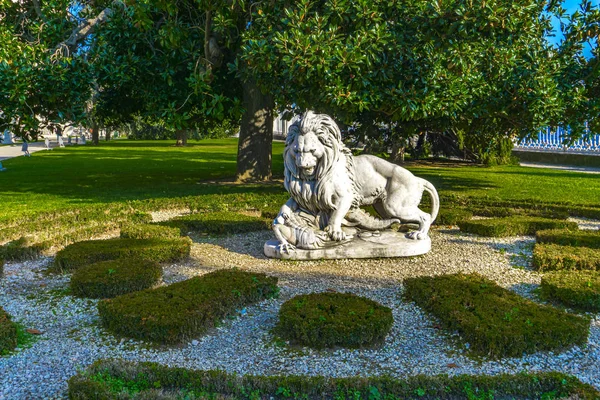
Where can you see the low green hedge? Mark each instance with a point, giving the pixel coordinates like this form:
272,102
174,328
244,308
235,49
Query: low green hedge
500,212
8,333
452,216
566,237
218,223
22,249
325,320
175,313
553,257
578,289
88,252
494,321
149,231
1,266
115,277
512,226
116,379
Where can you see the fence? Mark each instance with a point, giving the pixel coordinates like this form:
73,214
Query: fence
552,140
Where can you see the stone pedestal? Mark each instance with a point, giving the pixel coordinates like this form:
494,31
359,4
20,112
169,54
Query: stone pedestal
366,244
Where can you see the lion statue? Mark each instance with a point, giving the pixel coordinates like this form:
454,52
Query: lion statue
325,180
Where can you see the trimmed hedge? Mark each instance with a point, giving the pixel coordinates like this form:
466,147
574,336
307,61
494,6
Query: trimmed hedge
175,313
148,231
325,320
8,333
1,267
115,277
578,289
553,257
512,226
116,379
566,237
452,216
22,249
499,212
88,252
494,321
218,223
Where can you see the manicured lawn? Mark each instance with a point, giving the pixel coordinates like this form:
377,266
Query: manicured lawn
118,171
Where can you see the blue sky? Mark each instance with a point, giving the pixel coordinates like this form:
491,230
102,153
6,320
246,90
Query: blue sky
571,6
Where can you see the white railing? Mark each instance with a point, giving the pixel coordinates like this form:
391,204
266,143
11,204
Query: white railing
554,140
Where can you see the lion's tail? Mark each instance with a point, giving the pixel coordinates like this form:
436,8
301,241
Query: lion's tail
362,219
435,199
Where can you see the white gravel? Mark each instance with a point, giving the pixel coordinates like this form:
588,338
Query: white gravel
72,337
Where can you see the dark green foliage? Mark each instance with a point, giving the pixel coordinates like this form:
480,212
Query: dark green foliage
218,223
148,231
88,252
115,379
566,237
22,249
325,320
175,313
1,267
8,333
512,226
495,321
500,212
114,278
552,257
578,289
452,216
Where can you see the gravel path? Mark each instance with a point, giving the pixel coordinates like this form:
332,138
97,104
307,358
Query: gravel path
72,337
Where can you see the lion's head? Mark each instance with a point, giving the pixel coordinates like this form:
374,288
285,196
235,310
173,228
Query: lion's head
314,154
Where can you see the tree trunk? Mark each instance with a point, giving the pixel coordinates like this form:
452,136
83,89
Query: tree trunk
181,136
107,134
95,134
256,135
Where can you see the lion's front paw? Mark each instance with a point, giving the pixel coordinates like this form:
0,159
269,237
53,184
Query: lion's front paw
335,233
416,235
286,248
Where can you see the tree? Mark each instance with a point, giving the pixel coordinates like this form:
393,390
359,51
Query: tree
480,70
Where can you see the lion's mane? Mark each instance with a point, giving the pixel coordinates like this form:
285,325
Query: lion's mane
318,194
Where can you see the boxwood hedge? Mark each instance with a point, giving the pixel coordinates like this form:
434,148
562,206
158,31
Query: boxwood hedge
175,313
218,223
8,333
578,289
512,226
88,252
567,237
116,379
148,231
115,277
452,216
553,257
22,249
324,320
495,321
1,267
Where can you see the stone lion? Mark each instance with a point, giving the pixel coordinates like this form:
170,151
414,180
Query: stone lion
324,179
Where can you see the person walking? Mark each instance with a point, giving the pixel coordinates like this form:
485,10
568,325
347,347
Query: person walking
25,148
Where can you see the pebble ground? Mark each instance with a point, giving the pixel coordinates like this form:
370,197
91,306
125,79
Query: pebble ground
72,337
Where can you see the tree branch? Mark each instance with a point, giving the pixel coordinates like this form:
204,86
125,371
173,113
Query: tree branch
84,29
38,10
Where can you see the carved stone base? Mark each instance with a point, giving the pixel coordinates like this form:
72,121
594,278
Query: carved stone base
363,245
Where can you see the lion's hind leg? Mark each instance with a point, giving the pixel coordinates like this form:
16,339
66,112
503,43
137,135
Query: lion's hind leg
412,214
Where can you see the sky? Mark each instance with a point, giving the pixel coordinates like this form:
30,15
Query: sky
571,6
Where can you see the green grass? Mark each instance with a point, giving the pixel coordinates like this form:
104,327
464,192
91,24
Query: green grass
116,379
129,171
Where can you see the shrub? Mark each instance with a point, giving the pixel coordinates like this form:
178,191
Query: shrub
148,231
512,226
552,257
175,313
566,237
452,216
493,320
88,252
116,379
218,223
8,333
22,249
1,267
499,212
114,278
324,320
578,289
